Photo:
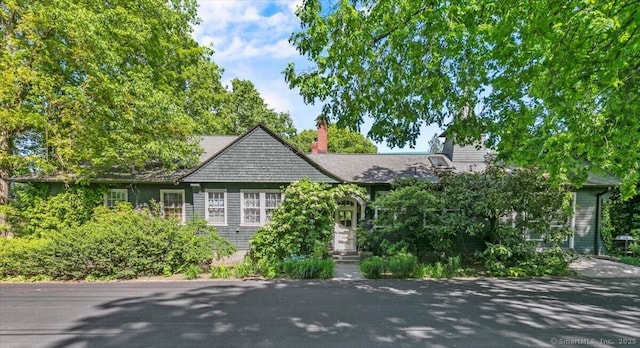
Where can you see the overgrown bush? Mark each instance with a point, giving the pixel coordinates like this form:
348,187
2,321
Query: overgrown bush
496,206
634,261
302,225
372,267
451,268
192,272
116,244
36,213
308,268
620,217
25,258
435,270
223,272
500,261
402,266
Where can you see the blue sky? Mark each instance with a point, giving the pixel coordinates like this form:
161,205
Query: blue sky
250,40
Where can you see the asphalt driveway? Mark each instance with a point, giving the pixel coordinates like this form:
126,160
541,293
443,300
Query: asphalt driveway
408,313
594,267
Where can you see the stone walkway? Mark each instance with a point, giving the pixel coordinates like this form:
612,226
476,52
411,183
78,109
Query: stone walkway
347,271
593,267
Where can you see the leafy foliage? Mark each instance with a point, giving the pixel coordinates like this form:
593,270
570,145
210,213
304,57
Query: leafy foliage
302,224
551,84
372,267
634,261
435,145
308,268
620,217
192,272
116,243
495,206
500,260
36,213
451,268
74,101
341,140
409,217
400,266
242,108
25,258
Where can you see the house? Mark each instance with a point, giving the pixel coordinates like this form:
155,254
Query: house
239,183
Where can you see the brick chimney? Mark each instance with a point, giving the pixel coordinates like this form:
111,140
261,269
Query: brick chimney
321,144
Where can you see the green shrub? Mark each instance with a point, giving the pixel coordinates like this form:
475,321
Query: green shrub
500,260
222,272
402,266
245,269
635,261
116,244
453,267
301,225
310,268
192,272
25,258
372,267
38,213
435,270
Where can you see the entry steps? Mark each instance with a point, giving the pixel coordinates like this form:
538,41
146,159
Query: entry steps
346,257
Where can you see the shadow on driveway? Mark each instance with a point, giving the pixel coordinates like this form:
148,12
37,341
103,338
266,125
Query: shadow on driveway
386,313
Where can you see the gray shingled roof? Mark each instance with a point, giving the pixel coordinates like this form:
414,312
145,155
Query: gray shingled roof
157,176
469,167
212,144
377,168
595,180
260,156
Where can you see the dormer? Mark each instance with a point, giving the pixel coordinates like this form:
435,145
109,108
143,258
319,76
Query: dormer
464,153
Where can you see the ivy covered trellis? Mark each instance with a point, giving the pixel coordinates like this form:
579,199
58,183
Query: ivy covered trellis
303,223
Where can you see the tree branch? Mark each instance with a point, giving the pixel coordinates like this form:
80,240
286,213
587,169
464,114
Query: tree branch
381,37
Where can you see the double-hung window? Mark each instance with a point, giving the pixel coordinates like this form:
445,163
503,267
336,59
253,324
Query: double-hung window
173,204
115,195
258,207
216,207
271,202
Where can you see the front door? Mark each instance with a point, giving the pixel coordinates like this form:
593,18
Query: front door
345,233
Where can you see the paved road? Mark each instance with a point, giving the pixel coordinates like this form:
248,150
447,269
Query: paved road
429,313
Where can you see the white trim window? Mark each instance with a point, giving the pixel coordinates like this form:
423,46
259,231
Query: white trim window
173,204
257,206
115,195
379,194
216,207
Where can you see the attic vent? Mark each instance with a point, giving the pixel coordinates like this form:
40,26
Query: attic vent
439,162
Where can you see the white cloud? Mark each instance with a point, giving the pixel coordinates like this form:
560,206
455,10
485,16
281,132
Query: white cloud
250,40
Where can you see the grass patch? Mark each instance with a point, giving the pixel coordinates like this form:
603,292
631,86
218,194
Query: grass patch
630,260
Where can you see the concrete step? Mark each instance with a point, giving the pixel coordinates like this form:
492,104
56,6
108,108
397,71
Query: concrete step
346,257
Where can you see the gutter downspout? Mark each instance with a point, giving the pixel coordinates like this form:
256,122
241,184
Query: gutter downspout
598,218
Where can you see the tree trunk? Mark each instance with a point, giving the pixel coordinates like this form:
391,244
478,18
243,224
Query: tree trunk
5,173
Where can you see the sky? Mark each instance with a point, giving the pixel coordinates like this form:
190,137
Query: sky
250,40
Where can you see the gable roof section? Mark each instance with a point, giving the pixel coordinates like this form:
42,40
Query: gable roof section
259,155
380,168
212,144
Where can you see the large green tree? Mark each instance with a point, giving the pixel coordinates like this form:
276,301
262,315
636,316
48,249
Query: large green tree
243,107
86,85
341,140
552,83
